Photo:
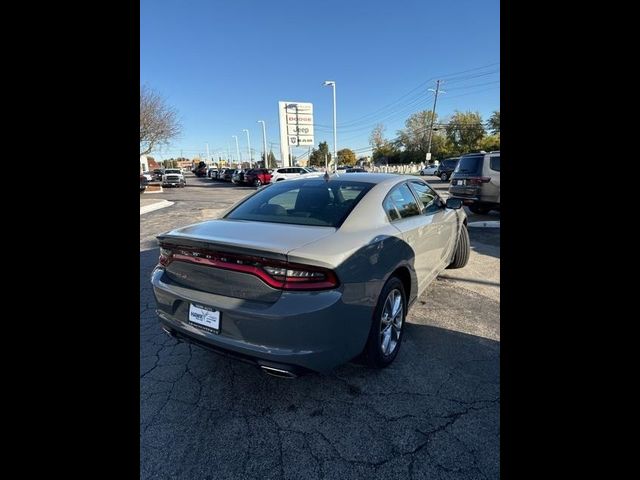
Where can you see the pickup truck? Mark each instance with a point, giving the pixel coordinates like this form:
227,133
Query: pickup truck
173,177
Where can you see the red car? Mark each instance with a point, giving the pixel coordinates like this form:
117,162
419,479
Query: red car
257,177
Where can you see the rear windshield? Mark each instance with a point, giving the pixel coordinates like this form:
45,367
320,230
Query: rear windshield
449,163
470,164
312,202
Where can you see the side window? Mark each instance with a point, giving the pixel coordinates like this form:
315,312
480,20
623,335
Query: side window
390,208
404,201
495,163
427,196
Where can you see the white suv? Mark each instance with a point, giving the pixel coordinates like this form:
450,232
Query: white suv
288,172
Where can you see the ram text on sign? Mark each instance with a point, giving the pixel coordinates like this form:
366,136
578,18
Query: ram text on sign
300,140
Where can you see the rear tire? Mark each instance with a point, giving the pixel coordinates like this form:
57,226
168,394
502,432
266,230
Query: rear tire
257,182
444,177
385,336
463,249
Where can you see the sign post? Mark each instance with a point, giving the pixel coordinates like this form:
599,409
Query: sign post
296,127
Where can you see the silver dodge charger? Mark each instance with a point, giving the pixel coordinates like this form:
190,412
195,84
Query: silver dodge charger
307,274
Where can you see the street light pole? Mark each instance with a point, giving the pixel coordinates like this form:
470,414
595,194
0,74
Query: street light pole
332,84
208,157
249,148
238,150
264,143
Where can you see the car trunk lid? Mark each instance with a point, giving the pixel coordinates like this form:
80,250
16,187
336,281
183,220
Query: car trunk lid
220,256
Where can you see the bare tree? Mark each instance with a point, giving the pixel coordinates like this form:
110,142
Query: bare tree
158,121
376,139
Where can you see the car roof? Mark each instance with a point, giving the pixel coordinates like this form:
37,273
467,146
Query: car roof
376,178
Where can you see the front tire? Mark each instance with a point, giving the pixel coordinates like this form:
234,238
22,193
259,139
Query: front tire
257,182
385,336
444,177
463,249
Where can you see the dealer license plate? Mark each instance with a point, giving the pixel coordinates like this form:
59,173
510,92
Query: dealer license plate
204,318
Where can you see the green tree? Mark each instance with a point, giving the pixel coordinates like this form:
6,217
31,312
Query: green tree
271,160
414,137
490,142
346,156
317,156
494,122
388,152
465,131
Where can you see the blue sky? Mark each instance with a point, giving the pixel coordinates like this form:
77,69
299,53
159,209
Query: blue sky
225,64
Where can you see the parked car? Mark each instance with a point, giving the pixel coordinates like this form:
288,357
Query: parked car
157,174
429,169
201,170
238,176
257,177
173,177
212,172
227,174
143,183
309,273
148,176
446,168
284,173
476,181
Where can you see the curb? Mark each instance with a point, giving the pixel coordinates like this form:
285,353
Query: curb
155,206
488,224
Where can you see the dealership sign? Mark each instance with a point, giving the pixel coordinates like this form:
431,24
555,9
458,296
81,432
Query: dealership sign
296,127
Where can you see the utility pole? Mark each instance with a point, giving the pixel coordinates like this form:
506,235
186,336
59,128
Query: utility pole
208,157
433,116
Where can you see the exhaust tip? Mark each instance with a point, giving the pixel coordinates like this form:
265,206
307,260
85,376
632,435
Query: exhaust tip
277,372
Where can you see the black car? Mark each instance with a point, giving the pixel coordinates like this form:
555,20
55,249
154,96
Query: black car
446,168
201,170
157,174
143,183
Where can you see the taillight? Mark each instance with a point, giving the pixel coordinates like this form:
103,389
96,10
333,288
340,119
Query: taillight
478,180
275,273
165,256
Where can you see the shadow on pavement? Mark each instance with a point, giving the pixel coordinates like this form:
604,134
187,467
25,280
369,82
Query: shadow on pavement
485,241
434,411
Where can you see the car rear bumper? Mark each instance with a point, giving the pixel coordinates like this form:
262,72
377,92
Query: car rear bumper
301,330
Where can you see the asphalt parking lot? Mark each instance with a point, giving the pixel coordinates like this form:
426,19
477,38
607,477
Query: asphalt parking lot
434,413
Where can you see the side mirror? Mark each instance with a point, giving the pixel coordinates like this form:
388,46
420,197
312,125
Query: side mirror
454,203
